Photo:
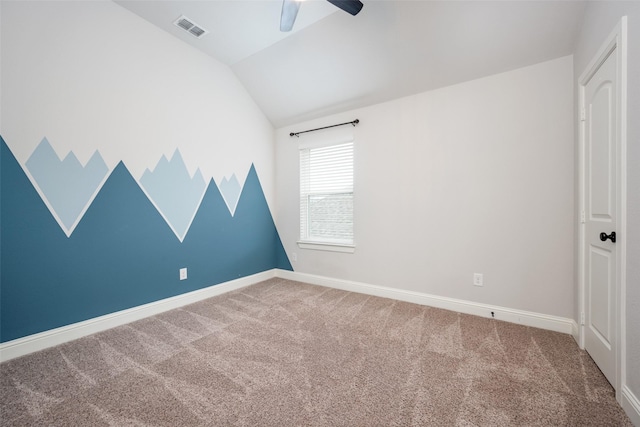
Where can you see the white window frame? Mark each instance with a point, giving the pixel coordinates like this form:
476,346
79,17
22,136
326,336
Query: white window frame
305,241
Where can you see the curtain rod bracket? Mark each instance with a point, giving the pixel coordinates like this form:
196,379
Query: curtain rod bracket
353,123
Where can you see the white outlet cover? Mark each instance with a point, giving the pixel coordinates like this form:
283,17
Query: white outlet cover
183,274
477,279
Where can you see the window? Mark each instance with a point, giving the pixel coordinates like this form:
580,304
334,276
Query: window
326,197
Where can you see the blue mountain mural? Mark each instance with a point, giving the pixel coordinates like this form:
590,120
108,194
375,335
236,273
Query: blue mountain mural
175,194
122,253
67,185
230,189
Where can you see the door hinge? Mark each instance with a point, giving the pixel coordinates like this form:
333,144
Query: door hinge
583,217
583,115
582,318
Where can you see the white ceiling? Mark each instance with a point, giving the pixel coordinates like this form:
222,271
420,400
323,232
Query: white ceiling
332,61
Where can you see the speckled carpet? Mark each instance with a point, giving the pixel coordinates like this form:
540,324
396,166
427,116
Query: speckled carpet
282,353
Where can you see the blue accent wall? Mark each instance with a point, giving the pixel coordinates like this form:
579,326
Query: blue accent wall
174,192
67,184
122,253
230,189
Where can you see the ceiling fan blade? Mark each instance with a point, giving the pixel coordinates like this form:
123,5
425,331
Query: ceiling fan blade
349,6
288,15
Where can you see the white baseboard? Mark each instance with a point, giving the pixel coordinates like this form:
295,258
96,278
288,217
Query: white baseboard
537,320
575,331
631,405
36,342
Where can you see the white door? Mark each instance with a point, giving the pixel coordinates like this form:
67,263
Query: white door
600,216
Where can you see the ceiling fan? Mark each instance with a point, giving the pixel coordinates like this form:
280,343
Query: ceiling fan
290,10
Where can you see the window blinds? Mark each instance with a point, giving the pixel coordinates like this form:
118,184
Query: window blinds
326,194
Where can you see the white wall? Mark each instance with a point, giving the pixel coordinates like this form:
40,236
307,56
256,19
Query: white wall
476,177
91,75
600,19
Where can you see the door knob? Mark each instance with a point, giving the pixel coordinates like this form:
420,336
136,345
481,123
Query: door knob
612,236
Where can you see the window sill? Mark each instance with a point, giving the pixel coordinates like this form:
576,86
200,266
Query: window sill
331,247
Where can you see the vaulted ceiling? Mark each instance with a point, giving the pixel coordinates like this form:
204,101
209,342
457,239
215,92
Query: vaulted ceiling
332,61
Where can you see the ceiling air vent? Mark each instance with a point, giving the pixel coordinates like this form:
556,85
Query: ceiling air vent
189,26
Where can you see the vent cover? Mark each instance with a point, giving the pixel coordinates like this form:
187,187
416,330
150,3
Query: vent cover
191,27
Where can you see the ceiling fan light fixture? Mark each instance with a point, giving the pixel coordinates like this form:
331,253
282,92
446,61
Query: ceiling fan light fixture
352,7
288,14
290,10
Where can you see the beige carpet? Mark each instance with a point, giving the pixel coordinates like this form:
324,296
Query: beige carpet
282,353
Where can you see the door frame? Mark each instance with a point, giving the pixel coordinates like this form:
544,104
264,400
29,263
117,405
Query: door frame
616,40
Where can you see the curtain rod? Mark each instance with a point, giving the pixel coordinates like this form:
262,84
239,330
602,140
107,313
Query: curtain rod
355,122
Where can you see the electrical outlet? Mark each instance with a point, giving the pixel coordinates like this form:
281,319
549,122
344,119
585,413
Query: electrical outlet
294,256
183,273
478,280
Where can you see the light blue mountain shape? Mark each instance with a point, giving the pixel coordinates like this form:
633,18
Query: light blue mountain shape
230,189
174,193
68,186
